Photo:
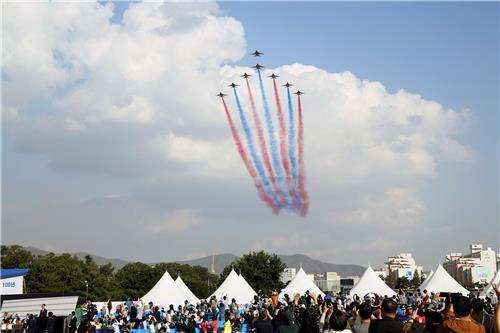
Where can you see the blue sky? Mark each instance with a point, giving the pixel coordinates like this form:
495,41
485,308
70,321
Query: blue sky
444,52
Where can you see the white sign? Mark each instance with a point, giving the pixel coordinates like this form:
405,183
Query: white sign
12,286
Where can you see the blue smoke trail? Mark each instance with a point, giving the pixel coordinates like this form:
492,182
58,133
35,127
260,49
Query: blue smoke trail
292,150
274,146
256,160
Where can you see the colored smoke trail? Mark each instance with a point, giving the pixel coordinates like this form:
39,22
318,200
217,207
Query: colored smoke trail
256,160
263,147
283,144
292,150
250,168
273,144
302,169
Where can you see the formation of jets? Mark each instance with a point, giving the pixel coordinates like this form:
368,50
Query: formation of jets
258,67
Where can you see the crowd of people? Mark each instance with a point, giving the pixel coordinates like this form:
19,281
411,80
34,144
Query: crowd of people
44,322
308,313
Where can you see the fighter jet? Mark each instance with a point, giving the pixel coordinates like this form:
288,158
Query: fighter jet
233,85
298,92
288,85
245,75
257,53
221,95
273,76
258,67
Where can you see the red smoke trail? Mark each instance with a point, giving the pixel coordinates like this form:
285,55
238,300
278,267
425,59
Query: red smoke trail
283,145
250,168
263,147
302,173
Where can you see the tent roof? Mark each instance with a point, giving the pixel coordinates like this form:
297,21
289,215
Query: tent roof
423,284
300,284
489,289
234,287
371,283
165,292
441,281
247,284
12,272
182,286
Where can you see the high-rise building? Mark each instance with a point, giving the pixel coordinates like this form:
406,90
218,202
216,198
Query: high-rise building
478,266
402,265
288,274
327,281
347,283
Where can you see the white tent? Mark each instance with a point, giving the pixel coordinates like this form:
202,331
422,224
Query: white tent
442,282
489,288
165,292
371,283
247,284
300,284
182,286
234,287
427,279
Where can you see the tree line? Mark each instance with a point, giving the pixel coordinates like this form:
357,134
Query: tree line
67,273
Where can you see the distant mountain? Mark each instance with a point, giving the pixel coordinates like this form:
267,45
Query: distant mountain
117,263
297,260
222,260
311,265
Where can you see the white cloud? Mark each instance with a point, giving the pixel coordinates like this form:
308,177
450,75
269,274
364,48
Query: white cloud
10,114
395,207
175,221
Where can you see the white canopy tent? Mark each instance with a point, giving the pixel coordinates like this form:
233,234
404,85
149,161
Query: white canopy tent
488,290
442,282
234,287
427,279
300,284
182,286
165,292
371,283
247,284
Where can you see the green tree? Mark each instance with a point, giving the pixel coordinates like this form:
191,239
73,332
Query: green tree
416,280
67,273
51,273
403,283
261,270
135,280
15,256
390,281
